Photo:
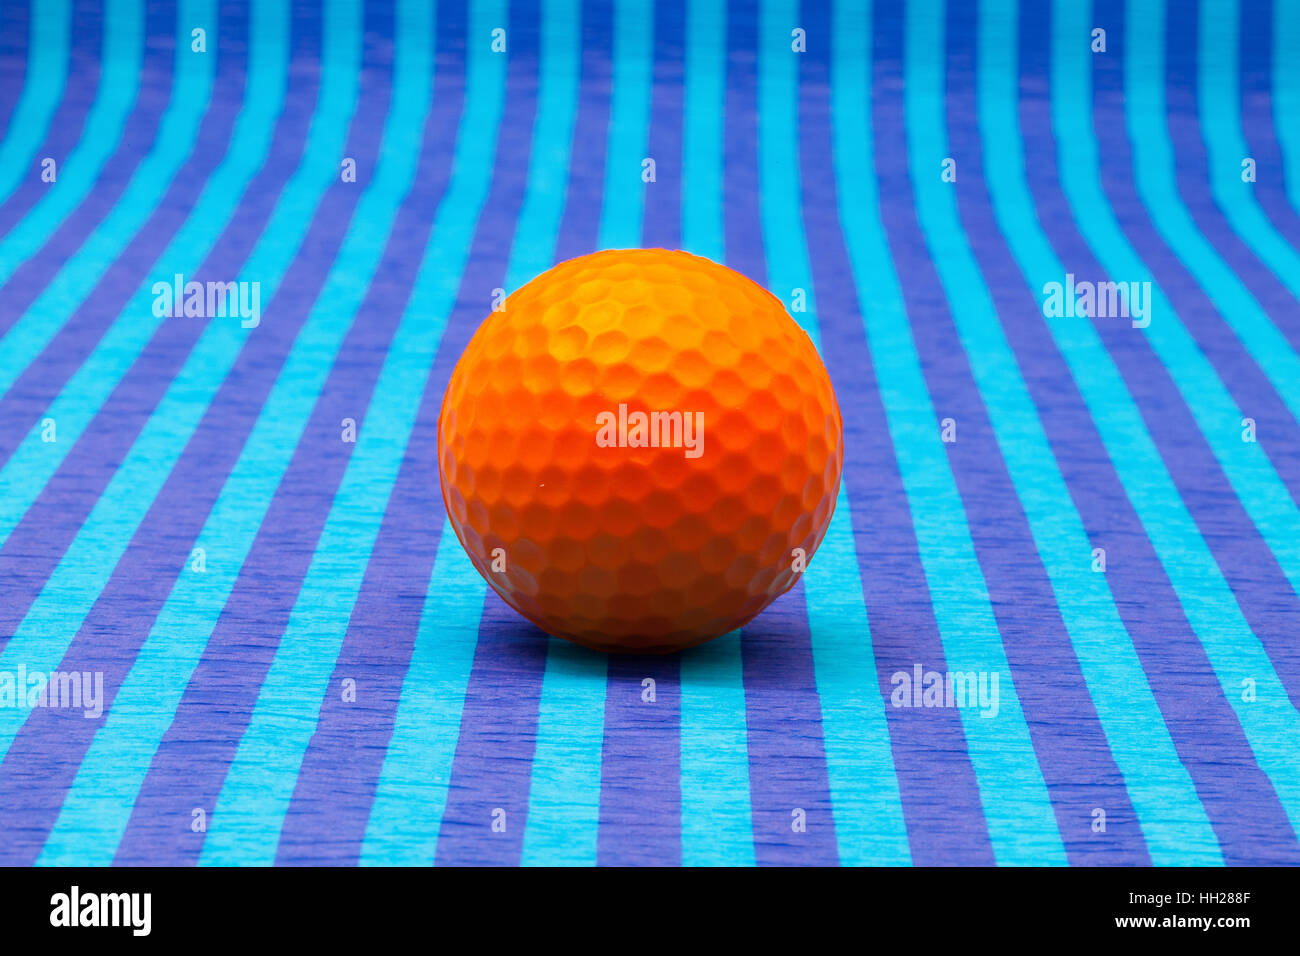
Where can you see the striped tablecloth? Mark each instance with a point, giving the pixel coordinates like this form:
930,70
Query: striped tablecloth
1050,253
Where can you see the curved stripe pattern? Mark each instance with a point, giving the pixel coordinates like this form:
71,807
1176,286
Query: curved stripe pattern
230,525
46,59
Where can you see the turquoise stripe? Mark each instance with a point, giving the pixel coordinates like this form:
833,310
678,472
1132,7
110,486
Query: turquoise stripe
778,162
77,278
1022,826
565,784
564,796
717,816
119,85
1174,823
1271,723
47,76
1286,92
1246,464
411,794
1215,409
564,790
34,462
868,810
548,165
54,618
869,823
629,124
1219,104
98,806
704,105
261,779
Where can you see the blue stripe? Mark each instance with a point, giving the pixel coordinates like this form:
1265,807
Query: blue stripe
100,800
789,789
326,820
433,692
1153,156
929,747
1271,723
629,118
934,257
564,793
1219,46
16,41
175,142
1256,72
662,228
864,789
717,827
866,797
34,461
1218,413
1022,825
1197,714
490,775
1286,92
640,771
412,790
54,617
716,815
260,780
47,76
1169,812
81,94
1189,129
118,88
533,250
1254,573
107,641
564,783
702,128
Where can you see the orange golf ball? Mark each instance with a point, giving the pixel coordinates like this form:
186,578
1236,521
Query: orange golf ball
640,451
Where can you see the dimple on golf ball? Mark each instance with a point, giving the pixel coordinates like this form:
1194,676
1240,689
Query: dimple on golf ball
640,451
